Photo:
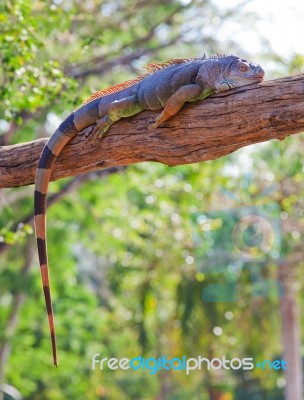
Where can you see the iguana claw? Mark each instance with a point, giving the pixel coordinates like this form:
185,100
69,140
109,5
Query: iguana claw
101,127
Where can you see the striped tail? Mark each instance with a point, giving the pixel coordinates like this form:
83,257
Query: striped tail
66,131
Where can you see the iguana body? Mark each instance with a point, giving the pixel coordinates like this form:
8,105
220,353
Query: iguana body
166,86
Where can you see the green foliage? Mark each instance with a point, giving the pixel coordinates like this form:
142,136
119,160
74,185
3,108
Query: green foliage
29,78
11,237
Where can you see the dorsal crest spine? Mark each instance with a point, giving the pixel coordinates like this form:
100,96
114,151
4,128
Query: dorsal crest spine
151,68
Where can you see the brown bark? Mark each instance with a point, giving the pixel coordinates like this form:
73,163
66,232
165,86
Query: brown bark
201,131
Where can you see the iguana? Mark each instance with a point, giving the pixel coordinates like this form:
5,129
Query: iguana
165,86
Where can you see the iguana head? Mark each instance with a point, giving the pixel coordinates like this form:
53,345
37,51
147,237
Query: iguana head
228,72
238,72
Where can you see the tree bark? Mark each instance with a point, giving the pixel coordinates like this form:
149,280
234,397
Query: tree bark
201,131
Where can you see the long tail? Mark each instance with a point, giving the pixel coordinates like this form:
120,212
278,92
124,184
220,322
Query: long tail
83,117
66,131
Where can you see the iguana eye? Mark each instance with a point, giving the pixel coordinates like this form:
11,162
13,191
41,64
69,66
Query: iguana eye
243,67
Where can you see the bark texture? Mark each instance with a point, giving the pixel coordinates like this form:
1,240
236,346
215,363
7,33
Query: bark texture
201,131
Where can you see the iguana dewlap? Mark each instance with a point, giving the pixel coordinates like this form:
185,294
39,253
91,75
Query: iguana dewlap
166,86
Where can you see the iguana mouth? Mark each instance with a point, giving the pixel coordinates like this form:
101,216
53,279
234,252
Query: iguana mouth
254,78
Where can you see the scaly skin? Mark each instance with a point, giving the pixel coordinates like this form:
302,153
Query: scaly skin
167,86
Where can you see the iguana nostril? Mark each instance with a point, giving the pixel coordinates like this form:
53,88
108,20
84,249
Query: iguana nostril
259,71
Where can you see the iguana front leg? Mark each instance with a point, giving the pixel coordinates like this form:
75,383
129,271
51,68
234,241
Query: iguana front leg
123,108
187,93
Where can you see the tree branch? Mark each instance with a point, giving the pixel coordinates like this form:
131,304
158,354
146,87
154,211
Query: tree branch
101,64
201,131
